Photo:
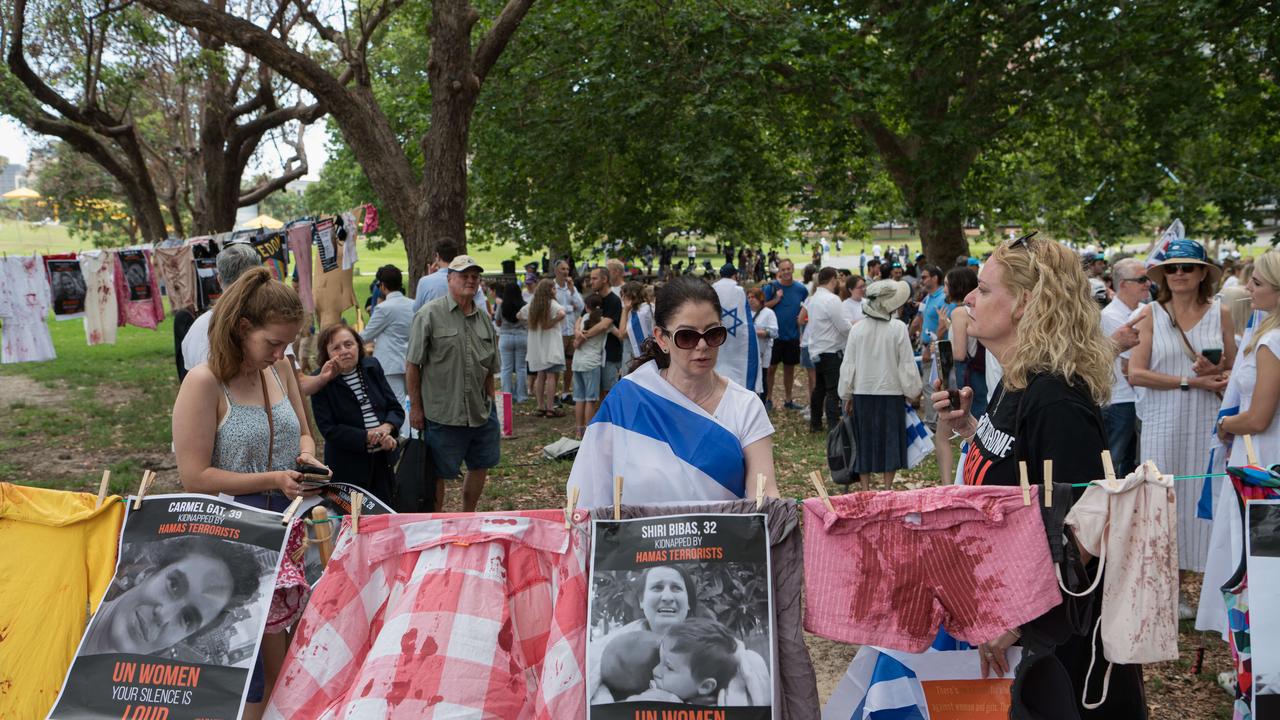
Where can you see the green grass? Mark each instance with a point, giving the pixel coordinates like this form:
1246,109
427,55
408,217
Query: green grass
106,406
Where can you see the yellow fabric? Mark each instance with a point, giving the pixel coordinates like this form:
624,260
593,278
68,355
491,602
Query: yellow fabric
57,555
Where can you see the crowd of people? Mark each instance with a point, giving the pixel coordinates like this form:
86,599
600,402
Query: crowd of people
672,381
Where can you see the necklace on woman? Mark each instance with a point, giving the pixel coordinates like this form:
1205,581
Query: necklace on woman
696,401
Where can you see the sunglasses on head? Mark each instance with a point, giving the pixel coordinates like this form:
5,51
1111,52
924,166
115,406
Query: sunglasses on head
1024,241
687,339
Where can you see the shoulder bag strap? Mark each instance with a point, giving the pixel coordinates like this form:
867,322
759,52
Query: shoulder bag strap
1192,355
271,426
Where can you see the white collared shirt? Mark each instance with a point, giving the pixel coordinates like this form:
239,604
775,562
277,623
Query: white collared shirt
828,325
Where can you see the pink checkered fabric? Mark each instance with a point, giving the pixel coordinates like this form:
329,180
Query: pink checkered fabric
292,588
886,568
426,616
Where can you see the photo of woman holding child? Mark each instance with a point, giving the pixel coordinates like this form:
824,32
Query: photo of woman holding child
655,637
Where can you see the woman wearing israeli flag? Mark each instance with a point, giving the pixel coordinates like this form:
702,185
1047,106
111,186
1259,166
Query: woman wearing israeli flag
674,429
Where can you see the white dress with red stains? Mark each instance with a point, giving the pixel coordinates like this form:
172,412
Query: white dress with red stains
24,307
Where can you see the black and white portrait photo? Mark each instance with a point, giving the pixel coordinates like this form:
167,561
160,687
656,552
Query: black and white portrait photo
191,598
1263,517
680,614
67,287
137,274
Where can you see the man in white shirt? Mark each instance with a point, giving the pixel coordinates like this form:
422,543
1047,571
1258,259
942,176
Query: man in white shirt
436,284
388,328
739,357
617,271
1132,287
234,261
571,300
828,332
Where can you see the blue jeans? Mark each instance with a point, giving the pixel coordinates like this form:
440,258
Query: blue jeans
1122,421
609,376
512,348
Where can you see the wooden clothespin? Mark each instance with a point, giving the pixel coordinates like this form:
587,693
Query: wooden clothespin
1048,482
357,503
617,497
568,509
759,491
324,533
102,488
143,487
819,484
1024,482
289,511
1250,456
1107,466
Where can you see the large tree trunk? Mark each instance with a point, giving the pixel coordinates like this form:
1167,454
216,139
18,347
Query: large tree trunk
943,238
454,87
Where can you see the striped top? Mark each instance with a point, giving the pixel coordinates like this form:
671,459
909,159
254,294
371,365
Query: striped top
356,383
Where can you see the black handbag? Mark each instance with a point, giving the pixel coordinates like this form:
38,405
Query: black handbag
842,450
415,478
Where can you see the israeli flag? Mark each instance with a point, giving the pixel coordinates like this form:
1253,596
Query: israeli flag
1175,231
878,687
672,447
919,438
640,327
739,357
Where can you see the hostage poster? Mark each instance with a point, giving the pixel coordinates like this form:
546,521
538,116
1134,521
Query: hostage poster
66,286
335,498
1264,605
680,619
137,274
178,630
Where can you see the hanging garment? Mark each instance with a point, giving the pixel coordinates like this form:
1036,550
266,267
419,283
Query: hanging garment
59,555
208,285
292,589
176,267
137,293
795,682
332,289
299,239
370,220
275,257
24,305
887,568
101,309
347,234
66,283
1250,483
322,237
1130,525
466,615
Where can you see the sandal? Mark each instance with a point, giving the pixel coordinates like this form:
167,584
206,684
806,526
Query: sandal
554,413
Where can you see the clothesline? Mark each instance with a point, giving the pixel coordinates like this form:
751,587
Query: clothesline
1175,477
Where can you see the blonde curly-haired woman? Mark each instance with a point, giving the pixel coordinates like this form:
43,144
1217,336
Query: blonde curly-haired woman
1033,311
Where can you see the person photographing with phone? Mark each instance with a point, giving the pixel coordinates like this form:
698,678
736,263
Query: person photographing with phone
1034,312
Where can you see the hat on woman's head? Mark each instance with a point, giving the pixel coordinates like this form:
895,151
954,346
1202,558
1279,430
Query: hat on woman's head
1185,252
884,297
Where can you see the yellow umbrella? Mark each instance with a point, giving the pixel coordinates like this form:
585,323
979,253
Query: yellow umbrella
21,193
262,222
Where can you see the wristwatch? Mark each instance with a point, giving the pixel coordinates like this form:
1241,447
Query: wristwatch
1185,385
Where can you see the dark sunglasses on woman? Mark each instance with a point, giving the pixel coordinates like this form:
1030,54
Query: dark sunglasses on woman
1177,268
687,339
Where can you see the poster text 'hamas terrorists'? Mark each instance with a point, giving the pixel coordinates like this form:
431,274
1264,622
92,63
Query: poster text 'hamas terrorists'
177,633
680,619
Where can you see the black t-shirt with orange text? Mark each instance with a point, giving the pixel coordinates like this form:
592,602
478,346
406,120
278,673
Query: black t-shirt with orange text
1059,422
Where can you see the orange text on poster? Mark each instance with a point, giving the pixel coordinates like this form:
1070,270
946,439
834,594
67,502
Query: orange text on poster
967,699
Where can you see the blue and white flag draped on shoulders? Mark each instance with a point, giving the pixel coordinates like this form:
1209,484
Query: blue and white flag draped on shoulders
739,358
641,327
666,447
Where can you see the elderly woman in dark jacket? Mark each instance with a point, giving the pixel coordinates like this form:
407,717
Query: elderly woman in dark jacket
357,414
